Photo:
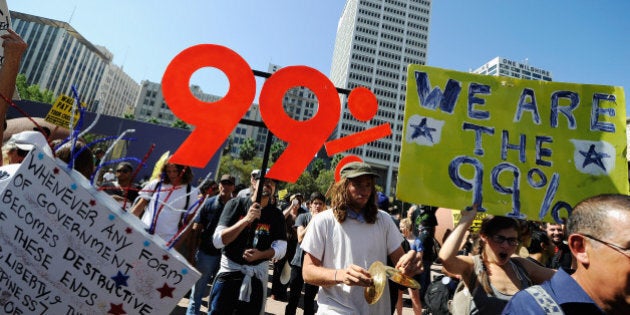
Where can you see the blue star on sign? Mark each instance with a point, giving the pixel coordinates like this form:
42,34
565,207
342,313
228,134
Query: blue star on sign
120,279
423,130
592,156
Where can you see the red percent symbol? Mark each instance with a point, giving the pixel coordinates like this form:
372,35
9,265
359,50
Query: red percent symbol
363,105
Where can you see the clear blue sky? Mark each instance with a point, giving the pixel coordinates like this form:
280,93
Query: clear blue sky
577,40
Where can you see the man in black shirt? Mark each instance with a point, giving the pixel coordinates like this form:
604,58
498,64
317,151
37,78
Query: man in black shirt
250,233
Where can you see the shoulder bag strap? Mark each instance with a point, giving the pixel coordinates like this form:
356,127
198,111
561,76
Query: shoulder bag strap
181,216
544,300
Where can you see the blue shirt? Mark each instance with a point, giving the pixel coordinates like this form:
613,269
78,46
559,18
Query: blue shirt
563,289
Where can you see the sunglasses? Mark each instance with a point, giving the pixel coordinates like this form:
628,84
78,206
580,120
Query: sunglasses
123,171
225,182
623,251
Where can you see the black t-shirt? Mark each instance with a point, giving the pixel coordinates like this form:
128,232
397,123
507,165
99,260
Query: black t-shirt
562,258
208,218
260,234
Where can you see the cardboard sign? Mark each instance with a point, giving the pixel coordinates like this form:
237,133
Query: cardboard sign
526,149
66,249
5,24
61,112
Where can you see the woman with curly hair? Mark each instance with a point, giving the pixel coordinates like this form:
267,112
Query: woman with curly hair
344,241
495,274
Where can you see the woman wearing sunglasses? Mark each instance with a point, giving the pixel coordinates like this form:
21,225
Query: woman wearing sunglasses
492,276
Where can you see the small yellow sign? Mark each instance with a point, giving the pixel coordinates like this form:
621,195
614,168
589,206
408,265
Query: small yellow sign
61,112
282,193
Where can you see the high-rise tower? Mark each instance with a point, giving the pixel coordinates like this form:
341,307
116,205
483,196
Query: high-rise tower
376,40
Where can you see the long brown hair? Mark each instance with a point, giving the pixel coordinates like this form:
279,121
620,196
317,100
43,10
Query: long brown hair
490,225
340,200
183,170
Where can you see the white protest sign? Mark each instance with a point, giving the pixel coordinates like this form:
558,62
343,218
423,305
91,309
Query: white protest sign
5,23
66,248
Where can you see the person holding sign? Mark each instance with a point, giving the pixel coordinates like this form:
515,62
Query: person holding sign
599,240
493,276
14,47
166,199
344,241
250,233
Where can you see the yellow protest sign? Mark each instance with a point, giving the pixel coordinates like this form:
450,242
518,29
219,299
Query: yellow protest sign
522,148
282,193
61,112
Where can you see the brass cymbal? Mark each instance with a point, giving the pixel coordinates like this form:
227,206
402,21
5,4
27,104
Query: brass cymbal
379,277
380,273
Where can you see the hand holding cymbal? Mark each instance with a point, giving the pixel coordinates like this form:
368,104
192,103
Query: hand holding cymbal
380,273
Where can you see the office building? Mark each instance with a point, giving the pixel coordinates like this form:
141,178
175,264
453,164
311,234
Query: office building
117,92
150,105
58,57
376,41
504,67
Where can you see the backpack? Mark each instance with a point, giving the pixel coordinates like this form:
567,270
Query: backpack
462,300
437,296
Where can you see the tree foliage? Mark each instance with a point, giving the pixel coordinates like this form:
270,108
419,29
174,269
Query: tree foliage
317,165
335,160
32,92
237,168
153,120
247,150
325,180
276,150
305,185
178,123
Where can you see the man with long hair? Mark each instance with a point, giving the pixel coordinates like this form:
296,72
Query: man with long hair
344,241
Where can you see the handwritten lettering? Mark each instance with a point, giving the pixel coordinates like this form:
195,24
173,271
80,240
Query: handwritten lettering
164,269
66,195
32,247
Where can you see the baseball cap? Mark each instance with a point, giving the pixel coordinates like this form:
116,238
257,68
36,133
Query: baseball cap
257,174
27,140
228,178
356,169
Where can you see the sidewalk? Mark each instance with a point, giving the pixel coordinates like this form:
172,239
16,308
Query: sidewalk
272,307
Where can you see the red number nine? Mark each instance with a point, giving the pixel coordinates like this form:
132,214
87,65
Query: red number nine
213,121
304,138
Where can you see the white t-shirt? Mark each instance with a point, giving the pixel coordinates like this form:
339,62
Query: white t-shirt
171,202
109,177
339,245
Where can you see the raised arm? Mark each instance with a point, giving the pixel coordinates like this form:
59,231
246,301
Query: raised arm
14,47
460,265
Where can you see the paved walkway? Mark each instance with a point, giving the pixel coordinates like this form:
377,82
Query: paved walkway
272,307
